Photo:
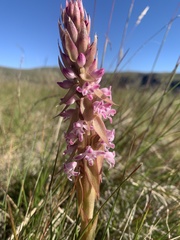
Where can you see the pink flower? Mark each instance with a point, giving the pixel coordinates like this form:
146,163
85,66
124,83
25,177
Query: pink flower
69,169
107,92
110,136
79,128
70,149
104,109
88,89
109,156
77,132
90,155
71,138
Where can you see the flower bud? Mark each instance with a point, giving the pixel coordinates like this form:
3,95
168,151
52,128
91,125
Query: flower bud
70,47
81,60
69,8
77,16
68,73
72,30
81,9
66,84
83,38
93,65
65,59
67,114
91,53
98,73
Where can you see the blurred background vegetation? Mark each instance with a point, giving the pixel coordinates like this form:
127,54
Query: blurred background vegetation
36,199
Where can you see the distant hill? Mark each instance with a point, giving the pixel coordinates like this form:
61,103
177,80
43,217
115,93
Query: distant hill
36,75
135,79
122,79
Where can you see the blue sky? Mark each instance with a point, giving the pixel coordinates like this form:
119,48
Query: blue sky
29,32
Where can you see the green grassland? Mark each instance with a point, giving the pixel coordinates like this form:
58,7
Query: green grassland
140,196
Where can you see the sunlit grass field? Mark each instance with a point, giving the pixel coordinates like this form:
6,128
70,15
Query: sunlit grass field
140,197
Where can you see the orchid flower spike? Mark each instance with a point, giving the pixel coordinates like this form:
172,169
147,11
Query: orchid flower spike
86,106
